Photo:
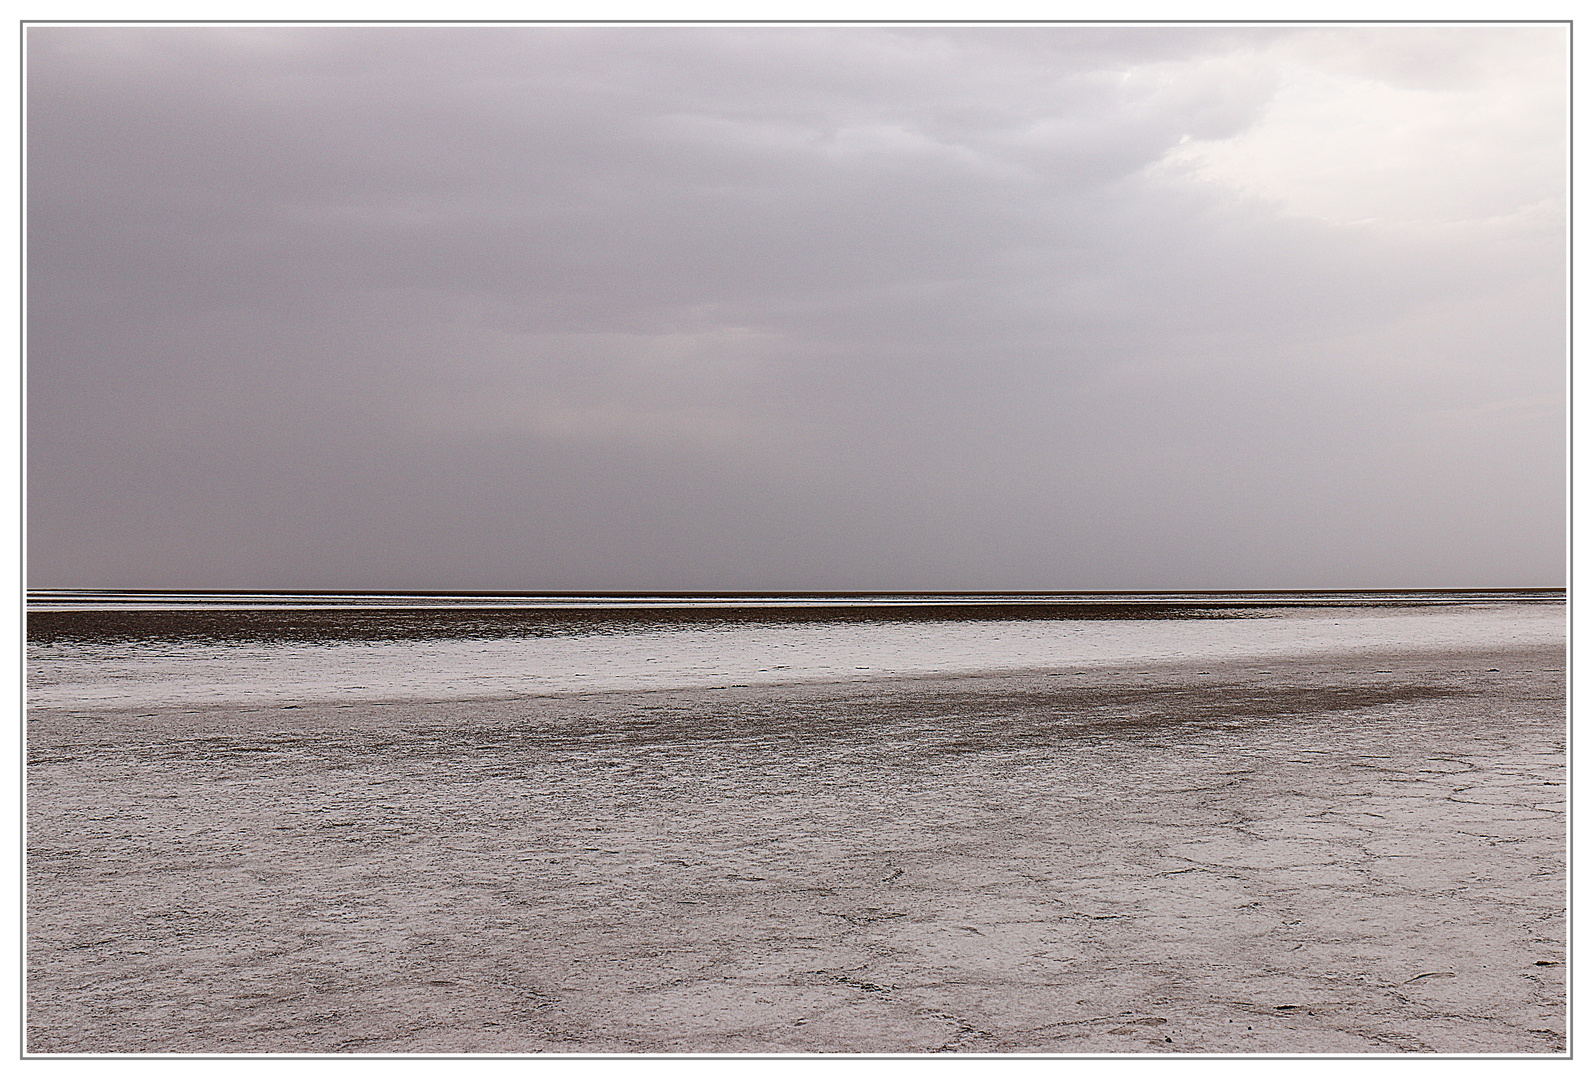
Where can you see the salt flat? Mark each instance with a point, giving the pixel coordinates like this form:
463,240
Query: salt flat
1360,853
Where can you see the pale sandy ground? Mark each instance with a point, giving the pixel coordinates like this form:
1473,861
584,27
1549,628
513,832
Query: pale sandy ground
1360,855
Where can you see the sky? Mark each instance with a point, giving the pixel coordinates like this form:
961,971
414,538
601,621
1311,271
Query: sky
679,308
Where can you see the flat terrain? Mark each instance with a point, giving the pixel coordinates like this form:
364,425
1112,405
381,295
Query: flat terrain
1340,855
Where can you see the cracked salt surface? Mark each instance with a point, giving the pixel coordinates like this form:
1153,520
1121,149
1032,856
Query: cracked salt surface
1260,853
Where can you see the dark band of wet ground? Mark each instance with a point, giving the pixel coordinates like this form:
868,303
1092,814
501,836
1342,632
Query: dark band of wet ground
267,625
1334,855
261,622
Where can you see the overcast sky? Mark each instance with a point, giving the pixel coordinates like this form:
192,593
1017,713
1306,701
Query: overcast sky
796,308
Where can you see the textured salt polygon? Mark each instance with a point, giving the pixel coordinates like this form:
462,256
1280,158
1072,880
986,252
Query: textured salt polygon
1360,854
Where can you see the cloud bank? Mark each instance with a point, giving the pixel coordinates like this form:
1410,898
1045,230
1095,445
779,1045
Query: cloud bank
796,308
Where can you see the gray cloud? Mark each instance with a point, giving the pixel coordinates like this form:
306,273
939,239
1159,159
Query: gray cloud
687,308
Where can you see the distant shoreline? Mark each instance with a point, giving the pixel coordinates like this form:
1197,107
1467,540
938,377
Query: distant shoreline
45,599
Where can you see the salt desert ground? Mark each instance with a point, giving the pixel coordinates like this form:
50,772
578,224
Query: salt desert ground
1311,829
